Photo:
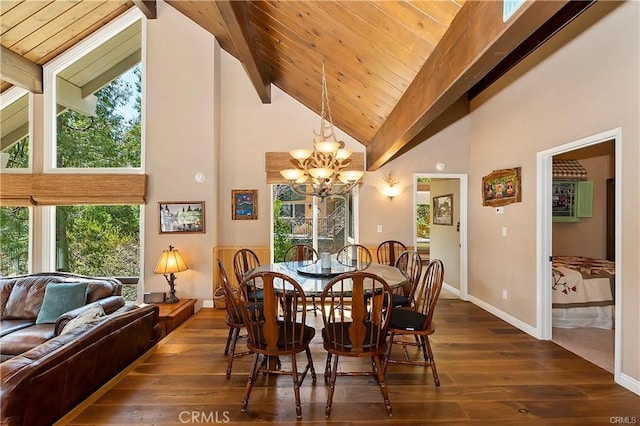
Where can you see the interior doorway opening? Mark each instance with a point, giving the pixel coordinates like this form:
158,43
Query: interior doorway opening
443,239
550,245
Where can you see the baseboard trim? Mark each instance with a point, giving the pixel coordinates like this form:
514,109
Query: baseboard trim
451,289
629,383
506,317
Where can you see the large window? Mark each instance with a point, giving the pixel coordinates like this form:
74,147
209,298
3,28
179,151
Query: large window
14,129
97,128
98,240
111,137
14,157
85,200
325,224
14,241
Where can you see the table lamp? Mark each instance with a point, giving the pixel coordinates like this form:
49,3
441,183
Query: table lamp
170,262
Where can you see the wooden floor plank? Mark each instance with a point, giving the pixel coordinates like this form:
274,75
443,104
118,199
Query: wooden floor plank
490,372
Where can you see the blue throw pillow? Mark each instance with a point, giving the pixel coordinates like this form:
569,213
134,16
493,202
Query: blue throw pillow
60,298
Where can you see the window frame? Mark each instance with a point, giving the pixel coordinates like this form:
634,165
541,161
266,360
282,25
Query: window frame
10,96
45,220
50,72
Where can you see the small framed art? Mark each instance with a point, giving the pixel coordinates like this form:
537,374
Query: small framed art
181,217
443,210
501,187
244,204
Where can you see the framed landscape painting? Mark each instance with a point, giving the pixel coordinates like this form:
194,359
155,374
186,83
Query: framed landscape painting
181,217
244,204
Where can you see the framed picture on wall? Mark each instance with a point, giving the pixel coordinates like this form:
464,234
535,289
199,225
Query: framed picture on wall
244,204
443,210
501,187
181,217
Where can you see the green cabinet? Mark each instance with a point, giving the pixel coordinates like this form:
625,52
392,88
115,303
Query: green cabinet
571,200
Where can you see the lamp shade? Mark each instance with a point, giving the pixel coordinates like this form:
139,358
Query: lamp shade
292,174
320,172
347,176
170,262
327,147
391,190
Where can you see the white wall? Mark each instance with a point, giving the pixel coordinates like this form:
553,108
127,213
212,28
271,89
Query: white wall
582,82
249,130
449,146
180,135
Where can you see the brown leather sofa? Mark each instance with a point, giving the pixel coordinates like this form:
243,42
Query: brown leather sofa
43,383
21,299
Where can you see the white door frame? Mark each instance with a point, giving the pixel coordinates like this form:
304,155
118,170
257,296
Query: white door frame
463,180
544,235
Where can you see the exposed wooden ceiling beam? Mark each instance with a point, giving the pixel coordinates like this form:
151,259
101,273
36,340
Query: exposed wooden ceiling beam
560,20
19,71
475,43
236,19
69,95
148,8
112,73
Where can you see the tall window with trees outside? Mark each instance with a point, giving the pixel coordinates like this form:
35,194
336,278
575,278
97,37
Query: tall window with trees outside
324,224
97,130
101,240
15,155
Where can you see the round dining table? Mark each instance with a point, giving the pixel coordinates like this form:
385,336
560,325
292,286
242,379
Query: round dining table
313,278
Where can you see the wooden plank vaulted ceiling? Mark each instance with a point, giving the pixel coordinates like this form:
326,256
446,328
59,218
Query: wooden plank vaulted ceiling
393,67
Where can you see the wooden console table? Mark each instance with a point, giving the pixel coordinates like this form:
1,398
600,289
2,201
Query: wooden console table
174,314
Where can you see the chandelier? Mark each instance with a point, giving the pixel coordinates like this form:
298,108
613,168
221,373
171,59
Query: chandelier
320,171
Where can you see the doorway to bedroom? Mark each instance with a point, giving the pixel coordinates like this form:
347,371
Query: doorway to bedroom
578,200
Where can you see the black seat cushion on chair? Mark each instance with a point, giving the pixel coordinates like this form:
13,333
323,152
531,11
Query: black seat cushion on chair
399,301
406,319
255,294
286,339
337,335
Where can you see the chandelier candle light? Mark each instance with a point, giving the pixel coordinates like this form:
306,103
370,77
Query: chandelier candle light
320,171
170,262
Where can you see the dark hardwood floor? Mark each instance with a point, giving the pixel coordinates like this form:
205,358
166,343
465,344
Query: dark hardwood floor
490,373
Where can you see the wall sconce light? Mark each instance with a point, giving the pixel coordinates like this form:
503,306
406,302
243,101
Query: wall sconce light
169,263
390,188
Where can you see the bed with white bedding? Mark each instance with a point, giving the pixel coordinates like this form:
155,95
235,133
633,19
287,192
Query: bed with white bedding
583,292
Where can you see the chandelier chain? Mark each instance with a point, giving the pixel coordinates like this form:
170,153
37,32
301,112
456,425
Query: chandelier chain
321,172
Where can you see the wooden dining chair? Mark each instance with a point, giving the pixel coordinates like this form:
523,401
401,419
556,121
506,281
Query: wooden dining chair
301,252
388,252
355,255
361,334
276,328
418,322
410,264
244,260
233,319
298,252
